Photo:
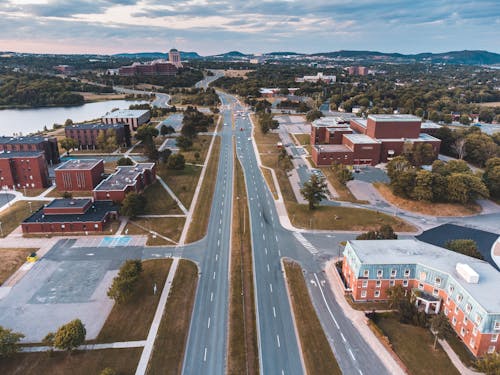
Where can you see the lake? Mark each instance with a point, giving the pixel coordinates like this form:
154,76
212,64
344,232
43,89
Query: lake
34,119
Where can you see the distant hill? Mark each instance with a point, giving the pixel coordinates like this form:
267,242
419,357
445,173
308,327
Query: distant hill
230,55
158,55
283,54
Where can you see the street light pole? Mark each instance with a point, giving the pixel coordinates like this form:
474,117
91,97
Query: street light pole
31,210
1,229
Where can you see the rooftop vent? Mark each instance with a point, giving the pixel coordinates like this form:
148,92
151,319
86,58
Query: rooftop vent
467,273
72,203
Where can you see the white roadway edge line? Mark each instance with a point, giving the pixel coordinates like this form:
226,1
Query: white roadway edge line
326,303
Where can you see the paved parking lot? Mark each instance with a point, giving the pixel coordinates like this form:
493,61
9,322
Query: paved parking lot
294,124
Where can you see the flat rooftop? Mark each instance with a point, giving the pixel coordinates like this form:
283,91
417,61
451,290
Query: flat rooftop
422,137
417,252
22,140
96,212
96,125
360,121
430,125
19,154
126,113
68,203
361,139
79,164
333,122
123,177
402,118
332,148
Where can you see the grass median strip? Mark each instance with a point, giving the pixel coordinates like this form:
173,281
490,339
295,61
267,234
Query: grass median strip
181,182
170,342
170,227
199,223
317,353
242,356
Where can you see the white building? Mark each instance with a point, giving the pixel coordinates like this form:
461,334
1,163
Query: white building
318,77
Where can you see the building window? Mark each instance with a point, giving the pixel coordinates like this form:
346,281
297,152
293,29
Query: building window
474,331
460,298
423,276
448,299
377,293
466,320
494,338
451,288
405,282
393,272
380,273
378,284
454,321
420,286
363,294
392,283
456,309
435,292
437,281
478,319
462,332
407,272
364,284
446,311
472,342
366,273
491,349
468,307
496,326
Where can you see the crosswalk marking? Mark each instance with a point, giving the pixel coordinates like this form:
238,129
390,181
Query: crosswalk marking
304,242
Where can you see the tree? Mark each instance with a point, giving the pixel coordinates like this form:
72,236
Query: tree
125,282
133,205
385,232
70,336
184,143
465,188
314,190
397,165
447,138
313,115
457,166
176,161
422,154
464,246
48,341
440,327
68,144
106,140
480,147
464,120
458,146
423,190
68,122
489,364
124,161
9,341
166,130
491,177
342,173
394,295
67,195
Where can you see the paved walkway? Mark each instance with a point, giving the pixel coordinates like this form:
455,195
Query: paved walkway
171,193
155,325
462,369
111,345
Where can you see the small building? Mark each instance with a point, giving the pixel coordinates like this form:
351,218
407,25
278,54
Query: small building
23,170
86,134
47,145
319,77
437,280
65,69
71,216
79,174
132,117
125,180
357,70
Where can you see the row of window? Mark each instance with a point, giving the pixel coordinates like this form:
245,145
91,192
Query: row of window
378,283
394,273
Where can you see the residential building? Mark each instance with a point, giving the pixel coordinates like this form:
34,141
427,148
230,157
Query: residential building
374,140
48,145
437,279
125,180
23,170
357,70
79,174
317,78
174,58
70,216
86,134
132,117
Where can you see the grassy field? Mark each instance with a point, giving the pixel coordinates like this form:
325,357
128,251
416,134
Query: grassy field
11,260
420,359
270,183
303,139
131,321
199,224
170,227
12,217
159,202
123,361
427,208
201,144
242,356
182,183
316,350
342,190
170,342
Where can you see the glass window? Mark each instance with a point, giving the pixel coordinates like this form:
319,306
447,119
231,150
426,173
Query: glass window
462,331
392,283
380,273
366,273
363,294
491,349
460,298
474,330
423,276
496,326
405,282
454,321
377,293
468,307
451,288
472,342
393,272
378,283
420,286
407,272
365,283
494,338
478,318
437,281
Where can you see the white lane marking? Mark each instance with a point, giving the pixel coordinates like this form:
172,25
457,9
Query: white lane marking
278,339
91,254
352,355
263,236
268,269
208,324
220,230
324,299
260,214
276,238
220,221
211,296
261,224
360,372
265,249
218,242
216,257
271,287
279,252
304,242
205,355
274,312
282,372
214,275
342,335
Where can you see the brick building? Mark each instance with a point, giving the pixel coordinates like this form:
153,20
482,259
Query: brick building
157,67
79,174
20,170
374,140
126,179
132,117
436,279
70,216
86,134
47,145
357,70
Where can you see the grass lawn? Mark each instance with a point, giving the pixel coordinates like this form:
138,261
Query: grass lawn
170,227
12,217
170,342
182,183
367,306
201,144
11,260
201,215
270,183
342,190
123,361
427,208
303,139
242,355
316,350
414,346
131,321
159,202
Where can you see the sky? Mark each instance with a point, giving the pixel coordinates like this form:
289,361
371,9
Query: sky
250,26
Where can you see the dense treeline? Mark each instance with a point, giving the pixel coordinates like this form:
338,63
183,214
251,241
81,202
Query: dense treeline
194,122
33,90
197,96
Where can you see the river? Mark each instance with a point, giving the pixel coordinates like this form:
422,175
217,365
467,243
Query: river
31,120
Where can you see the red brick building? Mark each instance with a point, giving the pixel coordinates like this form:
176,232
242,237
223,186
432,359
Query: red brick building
125,180
132,117
435,279
86,134
374,140
357,70
71,216
79,174
47,145
158,67
20,170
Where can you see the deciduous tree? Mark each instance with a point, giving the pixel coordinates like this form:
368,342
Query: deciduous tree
9,341
70,336
314,190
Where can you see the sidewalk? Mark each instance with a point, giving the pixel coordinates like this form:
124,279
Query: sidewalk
359,320
111,345
462,369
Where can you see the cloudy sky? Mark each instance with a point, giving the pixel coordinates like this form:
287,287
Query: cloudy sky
216,26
